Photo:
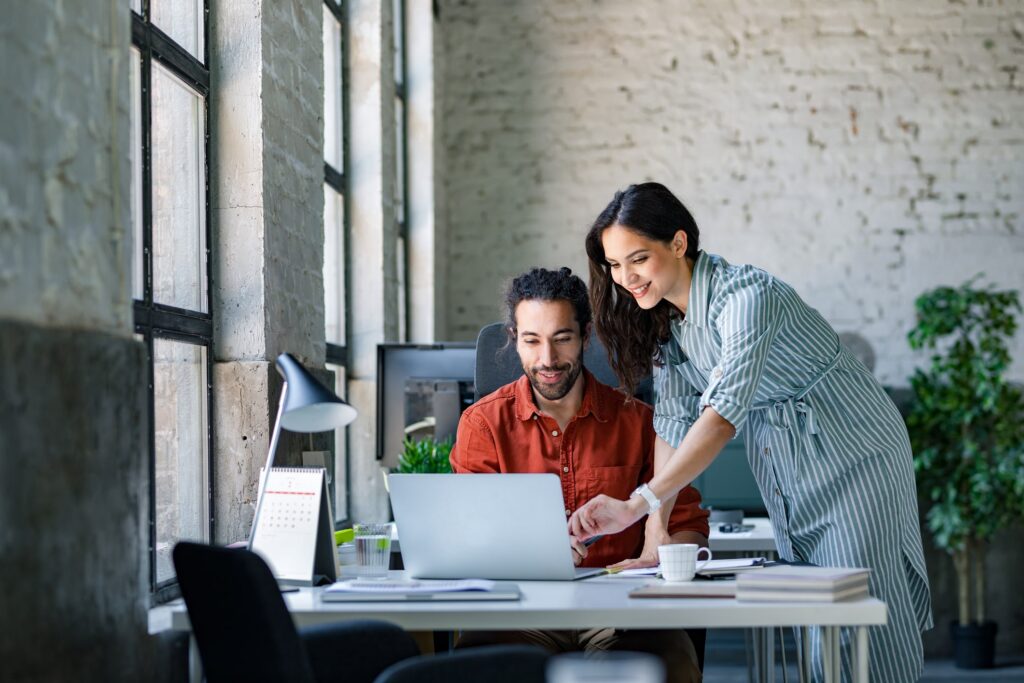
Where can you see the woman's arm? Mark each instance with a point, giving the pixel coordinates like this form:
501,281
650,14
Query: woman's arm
702,444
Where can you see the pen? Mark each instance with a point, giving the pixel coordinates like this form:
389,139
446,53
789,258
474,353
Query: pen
593,539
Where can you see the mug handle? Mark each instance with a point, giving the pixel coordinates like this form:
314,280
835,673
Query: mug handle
701,565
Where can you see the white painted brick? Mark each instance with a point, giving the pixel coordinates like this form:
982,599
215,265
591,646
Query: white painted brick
862,151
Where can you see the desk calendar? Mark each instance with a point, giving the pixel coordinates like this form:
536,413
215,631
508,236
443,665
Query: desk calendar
295,530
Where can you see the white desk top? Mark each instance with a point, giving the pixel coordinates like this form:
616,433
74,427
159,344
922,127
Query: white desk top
601,601
759,540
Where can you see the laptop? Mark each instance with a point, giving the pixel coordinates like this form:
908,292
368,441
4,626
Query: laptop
487,526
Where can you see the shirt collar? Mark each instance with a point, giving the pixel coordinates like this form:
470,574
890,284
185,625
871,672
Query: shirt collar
700,290
592,399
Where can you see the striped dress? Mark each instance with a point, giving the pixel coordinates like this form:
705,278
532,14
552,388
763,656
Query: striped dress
828,448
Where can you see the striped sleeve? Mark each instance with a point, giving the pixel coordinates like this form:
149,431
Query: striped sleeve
676,403
748,323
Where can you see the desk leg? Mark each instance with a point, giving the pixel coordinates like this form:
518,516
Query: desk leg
769,654
195,665
830,636
804,659
861,674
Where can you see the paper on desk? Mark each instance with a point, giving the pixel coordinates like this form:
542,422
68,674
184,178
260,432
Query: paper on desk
731,566
638,571
410,586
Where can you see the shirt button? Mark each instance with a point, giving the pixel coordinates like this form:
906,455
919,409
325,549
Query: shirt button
767,451
777,491
554,433
534,417
568,513
565,469
717,373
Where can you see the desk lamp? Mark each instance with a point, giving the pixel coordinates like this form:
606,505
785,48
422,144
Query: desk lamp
305,406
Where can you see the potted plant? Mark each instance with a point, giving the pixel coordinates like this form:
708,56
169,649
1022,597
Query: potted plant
966,426
425,456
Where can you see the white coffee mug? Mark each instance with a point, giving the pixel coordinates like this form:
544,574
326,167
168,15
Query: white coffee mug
679,561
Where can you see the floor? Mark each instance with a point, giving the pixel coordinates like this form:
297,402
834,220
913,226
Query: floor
725,662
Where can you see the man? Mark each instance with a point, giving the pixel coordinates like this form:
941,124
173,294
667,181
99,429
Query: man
559,419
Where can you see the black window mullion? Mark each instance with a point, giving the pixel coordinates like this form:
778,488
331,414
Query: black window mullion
153,320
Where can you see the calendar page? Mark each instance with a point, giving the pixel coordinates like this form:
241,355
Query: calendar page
286,531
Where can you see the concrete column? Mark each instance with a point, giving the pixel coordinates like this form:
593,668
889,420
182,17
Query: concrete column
426,238
374,291
267,201
73,422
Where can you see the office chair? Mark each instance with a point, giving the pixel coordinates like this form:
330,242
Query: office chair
244,632
494,664
497,363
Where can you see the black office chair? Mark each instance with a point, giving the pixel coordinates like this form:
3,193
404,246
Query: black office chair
497,664
497,363
244,632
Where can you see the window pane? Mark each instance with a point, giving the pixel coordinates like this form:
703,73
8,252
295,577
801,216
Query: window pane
334,266
179,195
182,20
332,91
179,424
400,159
136,162
340,450
137,6
398,23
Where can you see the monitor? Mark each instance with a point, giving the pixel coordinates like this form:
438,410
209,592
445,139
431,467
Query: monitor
421,388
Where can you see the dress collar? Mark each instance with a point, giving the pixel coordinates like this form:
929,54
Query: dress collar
700,290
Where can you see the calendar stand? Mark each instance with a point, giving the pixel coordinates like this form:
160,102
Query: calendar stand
294,532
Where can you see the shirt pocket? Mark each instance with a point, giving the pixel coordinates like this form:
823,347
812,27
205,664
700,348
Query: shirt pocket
617,481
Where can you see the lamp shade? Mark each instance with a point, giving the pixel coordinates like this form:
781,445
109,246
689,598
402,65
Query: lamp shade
308,405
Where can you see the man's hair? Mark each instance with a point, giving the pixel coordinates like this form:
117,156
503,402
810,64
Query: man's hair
547,285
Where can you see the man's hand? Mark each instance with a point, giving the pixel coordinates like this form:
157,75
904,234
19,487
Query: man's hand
605,515
579,551
654,536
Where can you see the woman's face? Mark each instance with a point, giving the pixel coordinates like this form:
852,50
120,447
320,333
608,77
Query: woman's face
647,269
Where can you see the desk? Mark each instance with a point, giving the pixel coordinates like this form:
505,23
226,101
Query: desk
759,540
601,601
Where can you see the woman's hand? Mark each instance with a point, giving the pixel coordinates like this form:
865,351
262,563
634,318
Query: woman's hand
604,515
654,535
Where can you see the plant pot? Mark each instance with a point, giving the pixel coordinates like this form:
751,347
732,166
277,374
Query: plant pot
974,645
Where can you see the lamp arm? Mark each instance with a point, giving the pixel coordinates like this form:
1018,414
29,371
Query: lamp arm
266,468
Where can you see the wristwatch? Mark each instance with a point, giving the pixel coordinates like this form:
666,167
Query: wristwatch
647,494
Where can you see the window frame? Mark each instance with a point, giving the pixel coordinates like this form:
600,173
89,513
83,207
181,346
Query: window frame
338,179
152,320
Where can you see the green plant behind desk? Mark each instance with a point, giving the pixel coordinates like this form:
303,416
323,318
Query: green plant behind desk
967,429
425,456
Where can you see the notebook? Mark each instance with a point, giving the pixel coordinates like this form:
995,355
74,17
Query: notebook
487,526
419,590
801,583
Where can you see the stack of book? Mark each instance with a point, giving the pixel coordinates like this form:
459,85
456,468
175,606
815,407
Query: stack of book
797,583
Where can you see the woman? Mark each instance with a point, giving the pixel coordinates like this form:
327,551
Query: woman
739,350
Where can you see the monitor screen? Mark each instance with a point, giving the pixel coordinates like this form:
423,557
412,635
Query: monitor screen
421,389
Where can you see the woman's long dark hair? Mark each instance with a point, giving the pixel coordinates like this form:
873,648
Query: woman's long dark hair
631,334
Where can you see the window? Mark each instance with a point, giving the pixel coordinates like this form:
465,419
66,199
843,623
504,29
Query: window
170,84
401,191
336,232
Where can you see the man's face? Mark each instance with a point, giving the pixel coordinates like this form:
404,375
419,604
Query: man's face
550,346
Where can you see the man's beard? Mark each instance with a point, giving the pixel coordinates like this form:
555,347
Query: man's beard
554,392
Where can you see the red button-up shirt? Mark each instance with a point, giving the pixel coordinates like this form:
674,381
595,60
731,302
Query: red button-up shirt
608,447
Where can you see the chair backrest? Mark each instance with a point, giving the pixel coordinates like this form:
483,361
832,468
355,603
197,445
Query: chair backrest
239,619
497,363
494,664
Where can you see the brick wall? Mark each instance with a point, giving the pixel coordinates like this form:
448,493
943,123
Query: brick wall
861,151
